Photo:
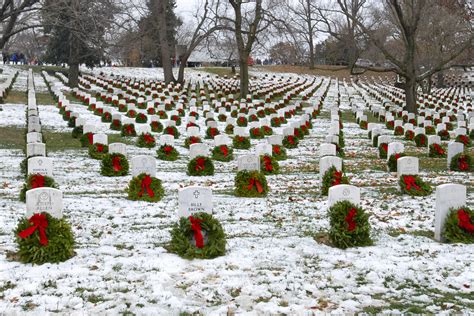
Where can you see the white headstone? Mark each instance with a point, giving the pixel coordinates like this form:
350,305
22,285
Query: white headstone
263,149
35,149
40,165
327,162
41,200
221,140
326,149
118,148
100,139
143,164
34,137
407,165
343,192
454,148
249,163
275,139
395,148
198,149
193,200
166,139
447,196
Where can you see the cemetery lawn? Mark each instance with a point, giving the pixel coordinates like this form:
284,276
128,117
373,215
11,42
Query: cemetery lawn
278,259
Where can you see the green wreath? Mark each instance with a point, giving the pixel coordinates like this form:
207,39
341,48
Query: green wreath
242,121
229,129
457,227
192,140
181,237
141,118
430,130
77,132
106,117
409,135
256,133
349,226
461,162
269,165
146,141
114,165
332,177
139,190
383,148
444,134
267,130
71,122
290,141
171,130
32,183
222,153
177,119
86,139
156,127
375,140
392,161
398,131
436,151
167,153
116,125
250,184
298,132
60,242
211,132
279,152
275,122
201,166
241,142
421,140
128,130
463,139
415,187
98,151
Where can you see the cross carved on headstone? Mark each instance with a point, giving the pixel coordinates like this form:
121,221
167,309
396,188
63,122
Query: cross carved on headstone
196,194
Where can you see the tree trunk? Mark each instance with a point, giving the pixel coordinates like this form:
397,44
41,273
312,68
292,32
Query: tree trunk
244,75
311,53
410,95
73,61
182,65
164,44
440,78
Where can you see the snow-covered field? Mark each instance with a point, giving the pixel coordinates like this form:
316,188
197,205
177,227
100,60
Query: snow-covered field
273,265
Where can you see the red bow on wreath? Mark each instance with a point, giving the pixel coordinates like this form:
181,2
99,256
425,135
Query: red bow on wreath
463,165
213,131
255,182
351,224
438,149
397,156
170,131
200,164
100,148
146,182
193,140
410,182
464,221
167,149
40,222
224,150
148,138
196,228
291,140
241,139
129,129
276,149
337,177
90,136
268,163
116,163
37,181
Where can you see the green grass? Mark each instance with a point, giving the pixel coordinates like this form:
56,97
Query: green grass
16,97
12,137
220,71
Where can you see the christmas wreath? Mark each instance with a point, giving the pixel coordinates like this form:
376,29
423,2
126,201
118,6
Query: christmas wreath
201,166
198,236
409,135
128,130
242,121
211,132
421,140
131,114
414,186
275,122
141,118
461,162
44,239
98,151
192,140
156,127
363,125
349,225
71,122
229,129
114,165
390,125
176,119
116,125
375,140
222,153
171,130
222,117
167,152
444,134
241,142
436,151
86,139
267,130
463,139
459,226
331,178
430,130
256,133
77,132
392,161
36,181
146,140
398,131
106,117
383,148
298,133
145,188
290,141
250,184
269,165
279,152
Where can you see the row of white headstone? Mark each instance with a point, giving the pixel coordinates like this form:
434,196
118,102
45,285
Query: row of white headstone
6,85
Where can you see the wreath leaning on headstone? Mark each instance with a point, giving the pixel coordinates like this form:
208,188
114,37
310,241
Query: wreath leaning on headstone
222,153
279,152
167,153
98,151
392,161
332,177
201,166
36,181
146,140
462,162
269,165
241,142
459,226
114,165
145,188
250,184
290,141
349,225
413,185
43,238
436,151
198,236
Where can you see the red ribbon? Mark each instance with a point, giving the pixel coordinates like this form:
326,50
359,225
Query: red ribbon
350,219
37,181
193,139
463,165
410,182
40,222
213,131
241,139
129,129
224,150
464,221
257,183
268,163
464,139
170,130
385,147
196,227
200,164
100,148
90,136
276,149
116,163
148,138
291,140
146,182
337,178
167,149
438,149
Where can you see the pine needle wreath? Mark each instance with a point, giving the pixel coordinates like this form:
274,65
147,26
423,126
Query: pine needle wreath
392,161
256,133
383,148
269,165
241,142
176,119
459,226
131,114
60,241
192,140
242,121
167,153
267,130
298,133
279,152
349,226
141,118
77,132
145,188
116,125
222,153
471,134
463,139
86,139
430,130
436,151
275,122
201,166
106,117
98,151
390,125
413,185
36,181
444,134
128,130
211,132
375,140
409,135
290,141
421,140
156,127
331,178
461,162
182,234
114,165
229,129
398,131
146,140
250,184
369,134
171,130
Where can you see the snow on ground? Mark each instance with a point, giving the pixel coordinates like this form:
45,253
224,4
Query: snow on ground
273,265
